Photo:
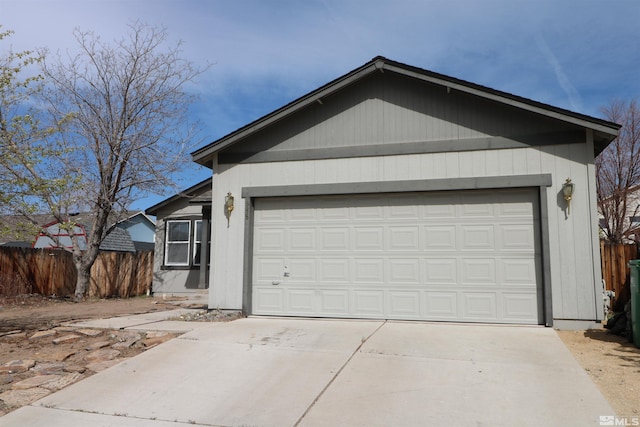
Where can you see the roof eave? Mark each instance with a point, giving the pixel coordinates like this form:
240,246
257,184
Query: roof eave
203,156
155,208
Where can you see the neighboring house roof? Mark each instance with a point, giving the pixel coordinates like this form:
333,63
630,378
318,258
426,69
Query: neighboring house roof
604,131
191,192
117,240
17,244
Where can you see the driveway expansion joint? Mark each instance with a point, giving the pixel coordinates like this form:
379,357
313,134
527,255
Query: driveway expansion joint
338,372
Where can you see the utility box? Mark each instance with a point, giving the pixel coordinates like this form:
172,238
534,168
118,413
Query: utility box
635,301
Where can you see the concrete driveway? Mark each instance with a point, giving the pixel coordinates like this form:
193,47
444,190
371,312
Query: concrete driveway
288,372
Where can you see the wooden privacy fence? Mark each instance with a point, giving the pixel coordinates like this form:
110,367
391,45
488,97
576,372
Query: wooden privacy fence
614,259
51,272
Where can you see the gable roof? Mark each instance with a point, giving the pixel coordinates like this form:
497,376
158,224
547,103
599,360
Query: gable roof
138,215
116,240
604,131
190,192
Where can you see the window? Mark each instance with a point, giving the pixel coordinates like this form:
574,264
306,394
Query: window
177,242
197,246
183,243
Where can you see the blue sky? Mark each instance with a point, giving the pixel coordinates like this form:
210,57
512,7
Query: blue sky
574,54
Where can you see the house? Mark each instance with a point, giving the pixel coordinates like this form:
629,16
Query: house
118,240
182,224
394,192
142,230
135,233
622,215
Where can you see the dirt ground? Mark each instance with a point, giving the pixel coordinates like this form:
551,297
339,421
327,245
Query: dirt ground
611,361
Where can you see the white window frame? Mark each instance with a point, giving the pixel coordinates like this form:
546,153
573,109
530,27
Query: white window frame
167,242
196,240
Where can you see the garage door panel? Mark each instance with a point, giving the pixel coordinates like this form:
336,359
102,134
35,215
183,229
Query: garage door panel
299,215
477,238
478,270
334,270
442,305
520,307
403,270
404,304
334,302
517,237
403,212
301,301
270,240
268,269
368,238
441,270
480,306
479,209
403,239
333,213
517,271
269,300
450,256
368,303
368,213
369,270
439,210
303,269
302,239
334,239
267,215
439,238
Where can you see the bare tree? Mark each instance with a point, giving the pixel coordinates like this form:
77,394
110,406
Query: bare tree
618,174
122,112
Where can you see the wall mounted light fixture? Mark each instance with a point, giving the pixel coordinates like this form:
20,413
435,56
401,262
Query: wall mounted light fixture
228,206
567,191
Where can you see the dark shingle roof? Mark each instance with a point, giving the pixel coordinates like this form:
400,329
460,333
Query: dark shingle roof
118,240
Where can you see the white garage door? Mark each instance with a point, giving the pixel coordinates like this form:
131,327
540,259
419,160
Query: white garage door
447,256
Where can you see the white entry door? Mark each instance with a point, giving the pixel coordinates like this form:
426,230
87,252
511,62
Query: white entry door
469,256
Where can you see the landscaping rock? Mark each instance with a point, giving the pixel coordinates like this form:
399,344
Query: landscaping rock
101,366
66,329
62,381
101,355
35,381
74,368
23,397
89,332
42,334
14,336
98,345
156,334
66,339
123,345
49,368
17,366
62,355
152,342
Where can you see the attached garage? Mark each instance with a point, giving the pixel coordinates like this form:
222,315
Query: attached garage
394,192
453,256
